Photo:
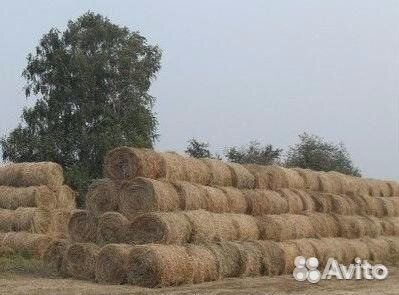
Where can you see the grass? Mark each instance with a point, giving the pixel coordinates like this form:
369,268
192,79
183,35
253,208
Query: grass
20,263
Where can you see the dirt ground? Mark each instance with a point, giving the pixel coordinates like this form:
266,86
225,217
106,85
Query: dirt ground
26,284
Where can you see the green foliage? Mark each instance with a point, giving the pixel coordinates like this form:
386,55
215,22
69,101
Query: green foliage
91,82
315,153
198,149
254,153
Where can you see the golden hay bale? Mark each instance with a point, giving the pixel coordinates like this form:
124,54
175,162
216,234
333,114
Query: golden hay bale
246,227
34,220
33,196
273,262
294,179
387,205
294,201
262,202
350,227
7,220
220,172
80,260
342,205
175,166
112,227
146,195
395,204
262,179
394,187
327,184
203,226
191,196
379,249
277,176
111,264
251,256
197,171
390,226
310,178
336,180
360,204
324,225
290,252
385,188
159,266
82,226
205,265
27,243
215,199
236,200
324,250
307,201
53,256
322,201
285,227
126,163
373,187
345,253
161,228
66,198
228,257
32,174
59,223
241,177
102,196
305,248
358,248
394,249
360,185
374,206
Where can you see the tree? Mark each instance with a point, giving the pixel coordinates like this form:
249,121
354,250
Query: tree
315,153
91,82
198,149
254,153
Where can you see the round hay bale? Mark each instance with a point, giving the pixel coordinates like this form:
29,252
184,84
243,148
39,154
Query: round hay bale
361,206
262,179
241,177
53,257
278,177
205,265
379,249
390,226
395,205
203,227
159,266
345,253
237,203
146,195
373,226
385,189
273,262
26,243
228,256
246,227
33,196
305,248
196,171
360,185
373,187
310,178
262,202
351,227
294,179
394,249
221,174
294,201
127,163
66,198
6,251
175,166
34,220
82,226
342,205
387,205
224,226
215,199
285,227
336,180
161,228
307,201
59,224
322,201
80,260
373,205
325,249
32,174
251,259
327,184
111,264
290,252
324,225
358,248
394,188
191,196
7,220
102,196
112,227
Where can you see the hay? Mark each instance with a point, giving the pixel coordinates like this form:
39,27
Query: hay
204,263
6,251
361,205
80,260
102,196
53,257
262,202
390,226
360,185
27,244
311,180
241,177
126,163
33,220
246,227
327,185
336,180
394,188
191,196
82,226
307,201
387,205
373,187
385,189
176,166
374,206
294,179
111,264
285,227
324,250
305,248
342,205
262,179
59,224
379,249
66,198
395,204
237,203
161,228
277,177
358,226
394,249
33,196
147,195
228,257
324,225
290,252
32,174
159,266
373,226
7,220
112,227
294,201
251,259
322,201
197,171
358,248
215,199
273,262
221,174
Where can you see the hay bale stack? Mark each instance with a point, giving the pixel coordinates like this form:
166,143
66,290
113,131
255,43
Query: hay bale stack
221,174
7,220
159,266
307,200
357,226
305,248
387,205
394,249
176,166
59,223
325,249
111,264
272,257
310,178
191,196
197,171
262,202
379,249
361,205
390,226
215,199
285,227
82,226
342,205
146,195
294,200
260,172
102,196
394,188
80,260
33,196
33,220
112,228
228,257
246,227
205,265
322,201
66,198
53,257
290,252
237,203
241,177
26,243
32,174
324,225
327,184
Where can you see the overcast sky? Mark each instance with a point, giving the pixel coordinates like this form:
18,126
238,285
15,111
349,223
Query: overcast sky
234,72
